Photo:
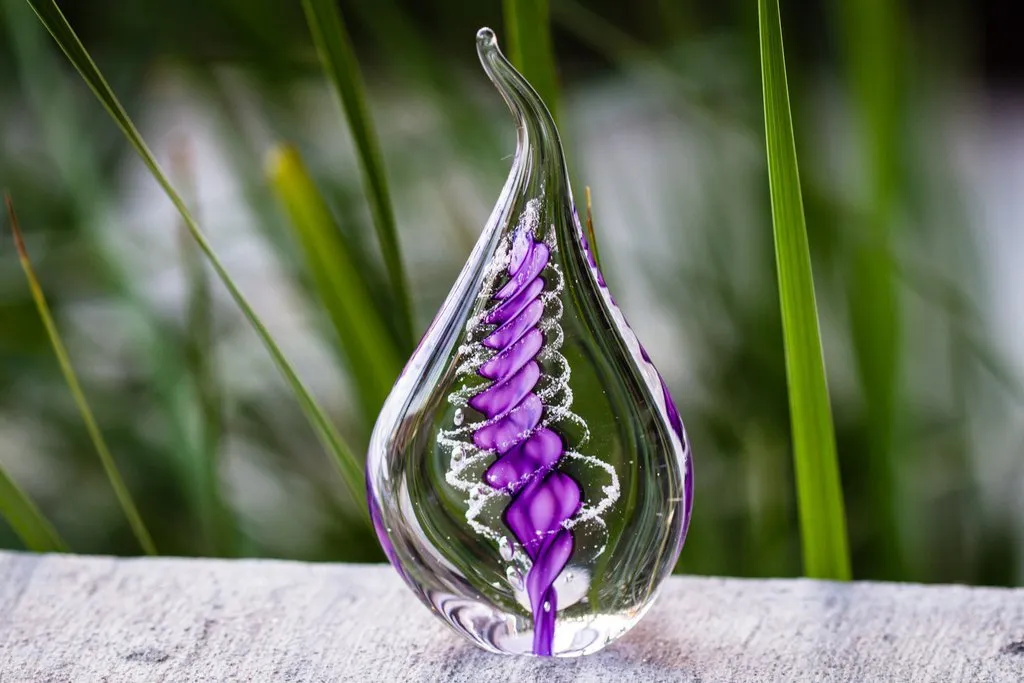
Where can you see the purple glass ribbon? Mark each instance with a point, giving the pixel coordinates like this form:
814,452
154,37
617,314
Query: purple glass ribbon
542,498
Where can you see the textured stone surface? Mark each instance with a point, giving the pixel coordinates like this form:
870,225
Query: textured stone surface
100,619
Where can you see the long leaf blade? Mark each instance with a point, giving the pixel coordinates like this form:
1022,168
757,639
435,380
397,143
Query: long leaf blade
871,29
528,29
373,361
339,62
55,22
591,237
124,498
28,522
819,495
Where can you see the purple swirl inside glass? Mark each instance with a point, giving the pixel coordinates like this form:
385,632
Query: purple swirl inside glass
542,498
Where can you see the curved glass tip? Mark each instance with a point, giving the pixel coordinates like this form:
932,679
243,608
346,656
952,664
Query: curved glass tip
486,40
526,103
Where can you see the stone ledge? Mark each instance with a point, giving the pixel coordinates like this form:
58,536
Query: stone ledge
85,619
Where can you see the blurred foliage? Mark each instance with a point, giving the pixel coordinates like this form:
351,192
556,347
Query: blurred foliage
660,105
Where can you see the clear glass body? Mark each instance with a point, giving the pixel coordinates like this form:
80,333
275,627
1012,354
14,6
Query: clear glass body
529,476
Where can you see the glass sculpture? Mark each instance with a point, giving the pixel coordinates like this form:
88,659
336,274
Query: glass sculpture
529,475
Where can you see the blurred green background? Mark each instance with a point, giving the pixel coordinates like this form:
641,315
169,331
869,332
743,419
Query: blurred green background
910,130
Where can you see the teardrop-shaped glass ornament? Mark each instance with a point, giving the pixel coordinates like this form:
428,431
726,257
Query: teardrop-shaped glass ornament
529,476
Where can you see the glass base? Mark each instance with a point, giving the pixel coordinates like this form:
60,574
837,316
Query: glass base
510,634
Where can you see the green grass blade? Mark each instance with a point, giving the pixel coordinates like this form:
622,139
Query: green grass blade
339,62
591,237
28,522
34,530
55,22
871,31
528,30
109,466
872,45
819,495
373,361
